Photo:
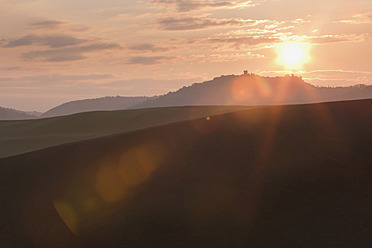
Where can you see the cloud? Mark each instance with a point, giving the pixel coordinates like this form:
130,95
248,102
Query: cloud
321,39
53,25
244,41
330,77
192,23
53,41
252,33
262,36
65,78
338,77
5,79
150,83
147,86
46,24
363,18
147,60
339,82
69,53
187,6
338,73
53,80
148,47
12,68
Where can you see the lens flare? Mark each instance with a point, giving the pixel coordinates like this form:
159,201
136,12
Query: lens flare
67,214
109,184
248,89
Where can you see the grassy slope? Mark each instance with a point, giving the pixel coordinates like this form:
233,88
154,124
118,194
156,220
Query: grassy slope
294,176
23,136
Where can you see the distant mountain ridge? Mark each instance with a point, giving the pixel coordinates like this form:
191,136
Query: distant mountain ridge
97,104
13,114
246,89
251,89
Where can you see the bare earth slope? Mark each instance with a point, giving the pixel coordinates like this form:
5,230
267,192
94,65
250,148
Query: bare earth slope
23,136
292,176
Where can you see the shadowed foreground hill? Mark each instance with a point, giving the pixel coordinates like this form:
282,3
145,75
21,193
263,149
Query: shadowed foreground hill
291,176
31,135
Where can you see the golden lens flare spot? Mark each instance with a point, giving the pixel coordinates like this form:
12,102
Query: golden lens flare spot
109,185
115,180
67,214
293,55
134,168
208,118
89,205
136,165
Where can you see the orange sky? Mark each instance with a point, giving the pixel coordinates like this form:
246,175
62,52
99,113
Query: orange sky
53,51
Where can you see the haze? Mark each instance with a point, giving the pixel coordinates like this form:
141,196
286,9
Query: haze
62,50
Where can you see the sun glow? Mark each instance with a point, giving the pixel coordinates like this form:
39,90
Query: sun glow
293,55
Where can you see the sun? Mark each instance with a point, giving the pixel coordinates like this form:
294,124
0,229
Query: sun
293,55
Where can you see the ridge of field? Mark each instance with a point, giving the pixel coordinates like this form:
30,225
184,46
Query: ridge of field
275,176
30,135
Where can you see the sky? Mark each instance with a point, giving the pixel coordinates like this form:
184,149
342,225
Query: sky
53,51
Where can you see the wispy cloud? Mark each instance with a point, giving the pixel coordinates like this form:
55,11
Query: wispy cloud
193,23
12,68
148,60
321,39
338,73
4,80
330,77
46,24
338,77
149,83
65,78
265,37
360,19
186,6
148,47
69,53
242,41
53,80
53,41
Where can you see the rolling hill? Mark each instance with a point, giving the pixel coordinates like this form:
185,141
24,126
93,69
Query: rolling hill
251,89
98,104
279,176
31,135
247,89
12,114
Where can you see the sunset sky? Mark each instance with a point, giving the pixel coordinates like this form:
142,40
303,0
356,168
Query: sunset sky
53,51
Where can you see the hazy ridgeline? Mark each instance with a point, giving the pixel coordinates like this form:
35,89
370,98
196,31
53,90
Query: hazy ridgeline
246,89
12,114
99,104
